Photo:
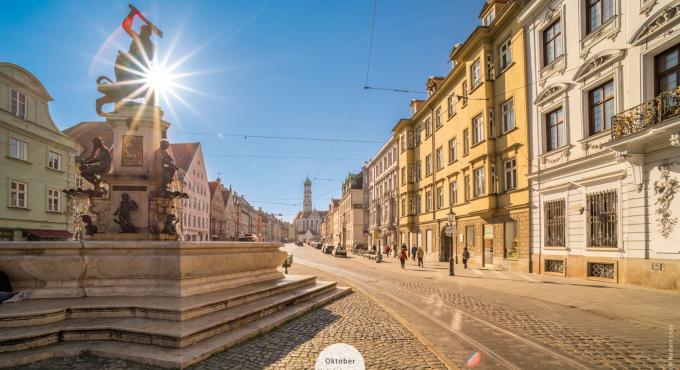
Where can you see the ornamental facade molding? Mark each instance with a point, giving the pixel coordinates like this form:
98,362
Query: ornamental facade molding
664,189
597,62
659,22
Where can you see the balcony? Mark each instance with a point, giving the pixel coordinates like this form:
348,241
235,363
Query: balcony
647,117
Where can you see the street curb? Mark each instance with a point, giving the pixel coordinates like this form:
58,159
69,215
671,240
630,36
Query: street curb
445,360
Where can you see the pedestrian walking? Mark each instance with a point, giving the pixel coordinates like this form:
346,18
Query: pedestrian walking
466,256
420,254
402,256
387,250
413,252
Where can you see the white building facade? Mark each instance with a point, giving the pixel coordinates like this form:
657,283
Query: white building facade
380,177
605,119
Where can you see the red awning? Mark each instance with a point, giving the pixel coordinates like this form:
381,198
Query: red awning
50,233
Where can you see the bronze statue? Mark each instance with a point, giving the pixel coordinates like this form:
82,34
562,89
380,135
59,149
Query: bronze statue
96,164
170,225
168,167
90,229
130,67
126,206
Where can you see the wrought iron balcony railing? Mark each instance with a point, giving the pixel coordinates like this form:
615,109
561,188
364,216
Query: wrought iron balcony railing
649,113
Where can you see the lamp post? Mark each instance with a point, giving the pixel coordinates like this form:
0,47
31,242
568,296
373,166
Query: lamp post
451,231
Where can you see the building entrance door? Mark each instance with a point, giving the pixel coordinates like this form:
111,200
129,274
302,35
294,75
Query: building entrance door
488,245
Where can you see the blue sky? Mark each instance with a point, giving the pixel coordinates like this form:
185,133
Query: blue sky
275,68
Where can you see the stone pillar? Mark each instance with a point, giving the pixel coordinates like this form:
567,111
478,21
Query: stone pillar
137,133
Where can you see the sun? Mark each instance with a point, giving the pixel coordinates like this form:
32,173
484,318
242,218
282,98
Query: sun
158,78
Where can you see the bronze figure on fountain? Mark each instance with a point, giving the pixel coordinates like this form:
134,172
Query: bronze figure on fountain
131,66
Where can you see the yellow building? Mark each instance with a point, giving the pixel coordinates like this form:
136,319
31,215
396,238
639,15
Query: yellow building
464,150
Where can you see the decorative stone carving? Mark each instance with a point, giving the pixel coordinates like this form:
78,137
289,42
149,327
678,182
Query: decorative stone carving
550,92
665,189
675,139
597,62
132,150
610,29
657,23
647,7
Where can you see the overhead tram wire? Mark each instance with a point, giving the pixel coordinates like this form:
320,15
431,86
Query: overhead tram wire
361,96
291,138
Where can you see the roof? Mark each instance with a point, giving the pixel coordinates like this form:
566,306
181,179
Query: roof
184,153
226,193
83,133
213,185
302,214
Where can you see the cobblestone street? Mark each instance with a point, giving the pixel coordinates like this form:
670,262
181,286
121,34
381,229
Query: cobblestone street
354,319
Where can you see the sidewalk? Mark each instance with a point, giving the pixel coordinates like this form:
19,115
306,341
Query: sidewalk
653,307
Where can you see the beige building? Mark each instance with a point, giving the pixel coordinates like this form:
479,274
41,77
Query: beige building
381,178
218,214
350,224
465,150
195,214
37,161
229,214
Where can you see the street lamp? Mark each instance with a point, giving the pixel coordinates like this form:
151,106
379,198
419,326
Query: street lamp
451,231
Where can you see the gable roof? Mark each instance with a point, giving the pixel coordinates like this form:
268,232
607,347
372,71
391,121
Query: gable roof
226,194
184,154
83,133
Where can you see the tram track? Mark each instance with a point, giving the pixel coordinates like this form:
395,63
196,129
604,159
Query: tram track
482,329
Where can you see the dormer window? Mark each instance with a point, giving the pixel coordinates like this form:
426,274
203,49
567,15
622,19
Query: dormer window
488,18
18,104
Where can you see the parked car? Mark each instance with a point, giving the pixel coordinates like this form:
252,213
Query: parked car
300,244
249,238
328,249
340,251
360,248
318,245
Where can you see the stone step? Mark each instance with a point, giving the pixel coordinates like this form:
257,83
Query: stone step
165,333
43,311
173,357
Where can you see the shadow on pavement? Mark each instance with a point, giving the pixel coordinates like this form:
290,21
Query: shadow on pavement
535,282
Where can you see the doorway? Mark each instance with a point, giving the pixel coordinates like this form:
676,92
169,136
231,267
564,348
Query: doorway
488,246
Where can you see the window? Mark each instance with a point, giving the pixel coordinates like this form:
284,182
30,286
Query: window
510,167
54,160
428,128
505,52
465,93
412,205
440,197
411,173
667,69
466,188
18,149
403,206
403,175
510,236
439,160
428,201
452,105
410,139
428,165
508,116
555,129
453,155
602,219
494,188
18,194
554,223
477,130
488,18
552,42
418,130
480,188
419,169
417,203
453,192
18,104
466,142
601,107
598,13
402,142
53,200
476,73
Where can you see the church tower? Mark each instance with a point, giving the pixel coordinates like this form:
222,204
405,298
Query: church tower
307,204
